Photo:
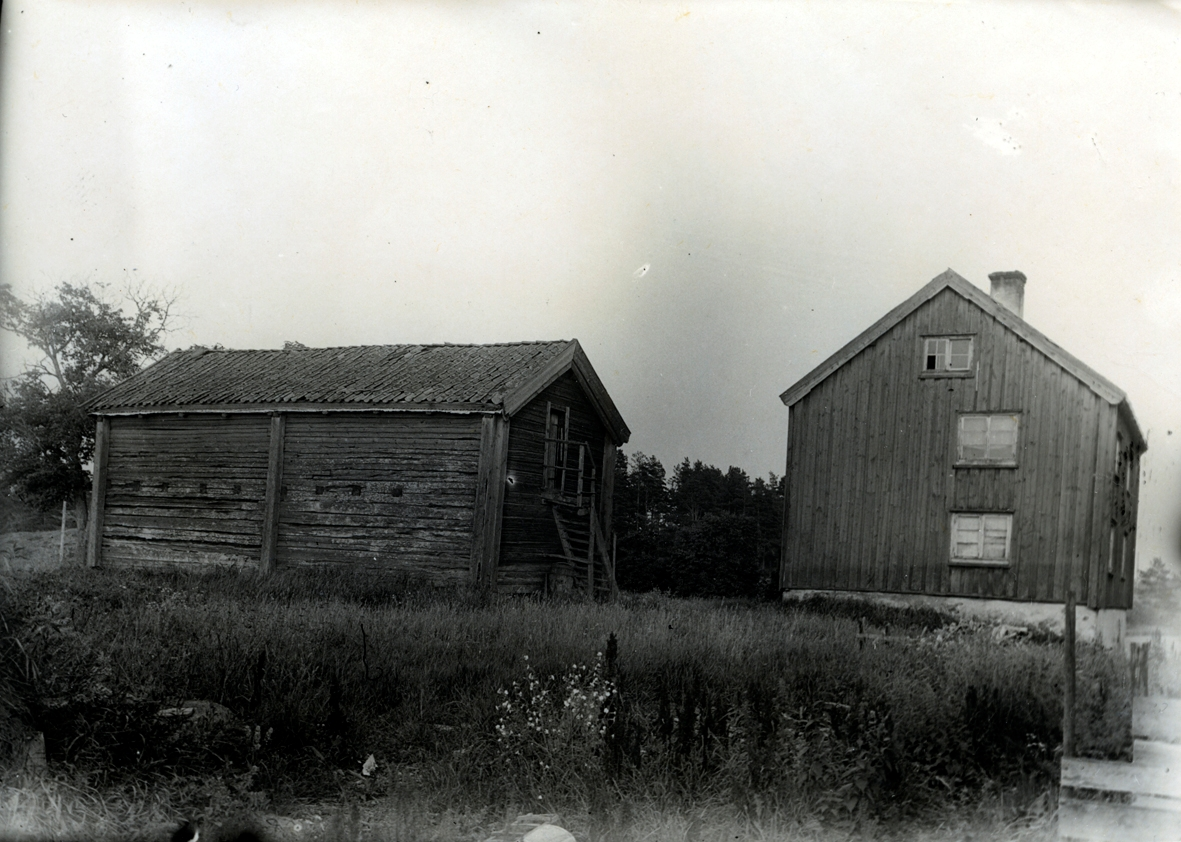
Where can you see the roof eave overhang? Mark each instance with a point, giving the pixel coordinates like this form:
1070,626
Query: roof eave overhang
302,406
1125,411
572,358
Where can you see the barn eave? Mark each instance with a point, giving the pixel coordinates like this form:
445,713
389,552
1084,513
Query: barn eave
572,358
308,407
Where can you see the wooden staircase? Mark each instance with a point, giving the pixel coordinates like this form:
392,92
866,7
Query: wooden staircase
584,550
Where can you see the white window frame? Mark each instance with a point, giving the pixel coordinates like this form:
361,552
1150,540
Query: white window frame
947,371
986,461
979,559
555,452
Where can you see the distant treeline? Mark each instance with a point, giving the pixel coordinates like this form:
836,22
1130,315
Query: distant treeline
701,532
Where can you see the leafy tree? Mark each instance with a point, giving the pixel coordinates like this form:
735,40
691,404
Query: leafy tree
87,342
1158,589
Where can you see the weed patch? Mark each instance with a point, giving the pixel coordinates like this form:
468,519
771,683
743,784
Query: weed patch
283,687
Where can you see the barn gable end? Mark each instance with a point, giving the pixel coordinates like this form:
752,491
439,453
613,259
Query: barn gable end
875,479
530,540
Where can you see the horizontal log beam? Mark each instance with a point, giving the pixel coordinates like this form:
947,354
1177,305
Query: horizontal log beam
1100,821
1114,776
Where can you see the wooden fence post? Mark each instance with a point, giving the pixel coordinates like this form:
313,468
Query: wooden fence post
61,550
1068,669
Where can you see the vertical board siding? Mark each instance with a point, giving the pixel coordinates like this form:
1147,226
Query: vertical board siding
529,537
184,489
1123,596
1113,588
394,491
872,482
98,493
270,509
489,505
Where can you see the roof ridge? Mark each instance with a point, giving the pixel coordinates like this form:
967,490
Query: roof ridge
201,349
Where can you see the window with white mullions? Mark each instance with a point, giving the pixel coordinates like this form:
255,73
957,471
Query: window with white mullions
987,439
981,538
947,354
557,436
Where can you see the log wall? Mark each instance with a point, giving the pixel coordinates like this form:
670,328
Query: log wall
871,481
184,489
380,489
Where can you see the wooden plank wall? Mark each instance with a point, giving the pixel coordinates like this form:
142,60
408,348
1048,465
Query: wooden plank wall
870,479
184,489
489,503
528,535
380,489
1114,589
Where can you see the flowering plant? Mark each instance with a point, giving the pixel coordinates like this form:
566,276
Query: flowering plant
556,723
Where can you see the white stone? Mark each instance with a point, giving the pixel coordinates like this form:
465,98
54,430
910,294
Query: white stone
548,833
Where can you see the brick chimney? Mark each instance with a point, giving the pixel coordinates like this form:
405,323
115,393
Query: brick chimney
1008,288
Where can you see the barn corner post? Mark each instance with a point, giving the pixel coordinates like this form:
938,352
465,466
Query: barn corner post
488,513
274,494
98,492
1068,676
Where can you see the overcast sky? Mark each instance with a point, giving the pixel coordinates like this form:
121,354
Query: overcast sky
712,197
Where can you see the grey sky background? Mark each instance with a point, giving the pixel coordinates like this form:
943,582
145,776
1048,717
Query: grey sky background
377,172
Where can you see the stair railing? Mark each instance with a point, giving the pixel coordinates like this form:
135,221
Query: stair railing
583,475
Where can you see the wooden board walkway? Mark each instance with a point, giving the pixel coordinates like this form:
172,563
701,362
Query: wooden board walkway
1134,802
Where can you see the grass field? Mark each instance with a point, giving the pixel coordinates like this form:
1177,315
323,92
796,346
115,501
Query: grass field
650,718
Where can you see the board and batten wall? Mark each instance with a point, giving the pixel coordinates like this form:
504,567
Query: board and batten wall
529,538
393,490
871,483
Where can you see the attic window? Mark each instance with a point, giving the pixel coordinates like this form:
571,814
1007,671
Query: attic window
947,355
981,539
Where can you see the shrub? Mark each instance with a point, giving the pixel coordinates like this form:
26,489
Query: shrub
16,672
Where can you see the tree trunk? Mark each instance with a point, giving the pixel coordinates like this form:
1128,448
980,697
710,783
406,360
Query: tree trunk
81,512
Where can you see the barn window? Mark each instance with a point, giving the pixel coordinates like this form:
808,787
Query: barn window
987,440
947,355
981,538
557,434
1123,508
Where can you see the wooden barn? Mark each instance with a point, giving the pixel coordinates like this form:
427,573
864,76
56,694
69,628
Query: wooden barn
489,464
953,450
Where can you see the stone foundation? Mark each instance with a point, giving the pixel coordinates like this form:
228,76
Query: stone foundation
1107,626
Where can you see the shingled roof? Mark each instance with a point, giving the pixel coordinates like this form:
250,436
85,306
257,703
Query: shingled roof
455,378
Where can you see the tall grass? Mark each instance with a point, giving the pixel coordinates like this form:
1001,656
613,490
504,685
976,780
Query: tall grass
777,711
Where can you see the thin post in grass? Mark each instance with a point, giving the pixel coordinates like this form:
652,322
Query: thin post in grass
1068,668
61,550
